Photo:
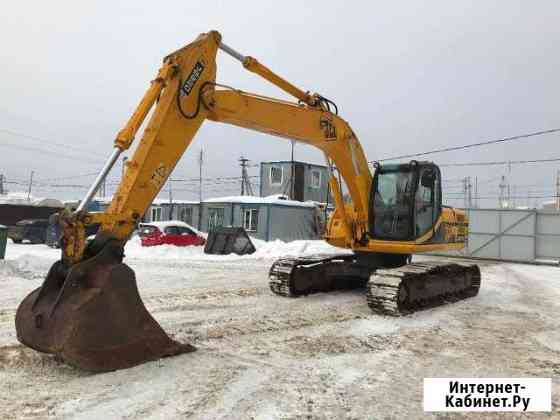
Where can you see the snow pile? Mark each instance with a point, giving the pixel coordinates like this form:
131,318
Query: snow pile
156,201
160,201
28,257
277,248
20,198
16,198
28,266
265,250
277,199
38,258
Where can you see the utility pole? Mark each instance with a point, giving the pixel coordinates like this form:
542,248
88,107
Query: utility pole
170,216
245,183
289,189
502,198
558,190
30,184
509,184
292,173
476,191
469,192
465,192
200,162
2,184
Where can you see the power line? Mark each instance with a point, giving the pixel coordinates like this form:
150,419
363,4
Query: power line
212,184
69,177
489,180
49,152
467,146
45,141
494,197
502,162
212,178
51,182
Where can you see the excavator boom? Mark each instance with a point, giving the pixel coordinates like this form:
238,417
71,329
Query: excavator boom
89,310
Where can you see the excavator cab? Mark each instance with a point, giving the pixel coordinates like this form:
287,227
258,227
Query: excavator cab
405,200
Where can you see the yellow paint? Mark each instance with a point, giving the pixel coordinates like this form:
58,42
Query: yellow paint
187,77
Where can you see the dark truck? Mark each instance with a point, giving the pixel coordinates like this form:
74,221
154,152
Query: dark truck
32,230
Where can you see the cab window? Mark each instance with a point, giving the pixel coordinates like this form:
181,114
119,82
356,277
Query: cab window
392,204
426,200
405,202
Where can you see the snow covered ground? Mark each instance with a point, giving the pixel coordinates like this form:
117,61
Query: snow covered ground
261,356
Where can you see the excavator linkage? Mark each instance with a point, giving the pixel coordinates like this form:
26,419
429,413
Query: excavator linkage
93,317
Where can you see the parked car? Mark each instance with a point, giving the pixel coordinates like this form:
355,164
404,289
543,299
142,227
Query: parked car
32,230
169,233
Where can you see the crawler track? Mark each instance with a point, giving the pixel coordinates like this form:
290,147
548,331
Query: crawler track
396,291
279,276
403,290
293,277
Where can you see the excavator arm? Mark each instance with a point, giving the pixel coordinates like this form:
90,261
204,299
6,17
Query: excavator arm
88,310
183,95
313,126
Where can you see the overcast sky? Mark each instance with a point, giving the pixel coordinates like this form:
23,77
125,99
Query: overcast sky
408,77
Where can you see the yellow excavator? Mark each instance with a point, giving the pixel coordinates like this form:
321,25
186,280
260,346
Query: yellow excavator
88,310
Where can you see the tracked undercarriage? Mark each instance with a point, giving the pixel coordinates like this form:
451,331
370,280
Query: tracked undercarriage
390,291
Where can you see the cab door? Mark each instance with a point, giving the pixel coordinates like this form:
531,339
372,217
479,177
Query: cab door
392,203
427,199
405,201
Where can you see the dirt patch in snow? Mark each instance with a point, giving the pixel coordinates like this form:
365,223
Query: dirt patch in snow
328,344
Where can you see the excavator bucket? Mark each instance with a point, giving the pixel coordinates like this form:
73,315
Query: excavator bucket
227,240
93,318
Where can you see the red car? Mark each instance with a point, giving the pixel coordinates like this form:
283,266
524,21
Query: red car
169,233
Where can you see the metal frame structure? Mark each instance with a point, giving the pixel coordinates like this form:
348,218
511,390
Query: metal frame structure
523,235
